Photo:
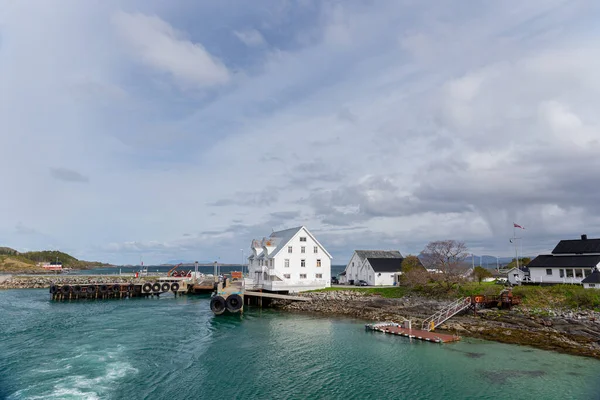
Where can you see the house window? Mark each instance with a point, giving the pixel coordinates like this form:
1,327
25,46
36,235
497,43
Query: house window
587,272
591,284
302,249
569,273
289,249
578,273
315,249
286,263
303,239
353,263
303,263
319,276
562,273
302,276
318,263
548,271
287,276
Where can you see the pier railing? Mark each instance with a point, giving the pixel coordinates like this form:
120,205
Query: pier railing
445,314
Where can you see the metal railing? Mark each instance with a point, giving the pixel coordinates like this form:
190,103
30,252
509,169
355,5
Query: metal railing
445,314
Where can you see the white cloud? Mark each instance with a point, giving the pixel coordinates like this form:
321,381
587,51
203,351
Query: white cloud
250,37
162,47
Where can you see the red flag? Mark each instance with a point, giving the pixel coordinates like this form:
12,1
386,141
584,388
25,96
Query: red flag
517,226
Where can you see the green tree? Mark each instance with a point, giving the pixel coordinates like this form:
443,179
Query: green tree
481,273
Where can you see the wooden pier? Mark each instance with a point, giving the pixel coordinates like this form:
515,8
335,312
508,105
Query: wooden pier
396,329
116,290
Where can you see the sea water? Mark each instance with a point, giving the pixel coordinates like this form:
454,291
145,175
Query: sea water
175,348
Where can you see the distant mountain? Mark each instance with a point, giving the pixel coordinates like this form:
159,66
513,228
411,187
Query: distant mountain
489,261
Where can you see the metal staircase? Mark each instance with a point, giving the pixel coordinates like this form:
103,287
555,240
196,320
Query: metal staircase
445,314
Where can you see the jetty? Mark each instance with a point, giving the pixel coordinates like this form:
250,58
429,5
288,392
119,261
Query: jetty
397,329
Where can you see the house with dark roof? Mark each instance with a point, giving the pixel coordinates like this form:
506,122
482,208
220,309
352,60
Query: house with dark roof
570,262
376,267
291,260
593,280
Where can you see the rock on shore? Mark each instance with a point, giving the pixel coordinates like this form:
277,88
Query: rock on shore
567,331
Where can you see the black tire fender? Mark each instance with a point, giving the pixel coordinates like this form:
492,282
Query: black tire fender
65,289
103,288
166,287
90,289
234,302
116,288
131,288
53,289
156,287
217,305
147,288
77,289
175,286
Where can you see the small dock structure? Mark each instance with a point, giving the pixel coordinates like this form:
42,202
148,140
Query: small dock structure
407,331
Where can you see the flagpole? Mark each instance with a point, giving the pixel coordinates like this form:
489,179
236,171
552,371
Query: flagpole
515,243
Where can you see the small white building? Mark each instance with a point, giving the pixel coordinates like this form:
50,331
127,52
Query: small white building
592,281
291,260
570,262
376,267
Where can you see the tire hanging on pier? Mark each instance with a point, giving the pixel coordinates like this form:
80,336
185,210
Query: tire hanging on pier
175,286
53,289
77,289
166,287
90,289
65,289
147,288
234,302
217,305
103,288
156,287
131,288
116,288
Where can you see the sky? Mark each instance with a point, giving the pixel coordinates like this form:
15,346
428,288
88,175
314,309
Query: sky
158,130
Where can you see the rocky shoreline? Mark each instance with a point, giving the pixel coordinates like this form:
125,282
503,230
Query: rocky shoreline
565,331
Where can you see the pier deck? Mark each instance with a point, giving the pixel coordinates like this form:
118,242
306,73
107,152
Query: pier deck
276,296
395,329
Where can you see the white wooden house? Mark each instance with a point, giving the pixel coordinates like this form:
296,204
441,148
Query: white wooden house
291,260
570,262
376,267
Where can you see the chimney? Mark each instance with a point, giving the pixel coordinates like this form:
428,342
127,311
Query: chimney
583,237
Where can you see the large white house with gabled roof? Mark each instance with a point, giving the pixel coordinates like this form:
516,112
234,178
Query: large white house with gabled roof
291,260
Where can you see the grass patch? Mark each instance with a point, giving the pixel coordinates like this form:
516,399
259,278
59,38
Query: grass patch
569,296
387,292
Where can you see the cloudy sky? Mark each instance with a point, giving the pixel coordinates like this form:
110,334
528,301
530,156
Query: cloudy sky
181,130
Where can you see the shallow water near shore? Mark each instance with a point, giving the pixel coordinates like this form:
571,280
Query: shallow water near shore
174,348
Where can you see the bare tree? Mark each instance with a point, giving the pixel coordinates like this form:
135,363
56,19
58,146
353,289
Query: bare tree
448,257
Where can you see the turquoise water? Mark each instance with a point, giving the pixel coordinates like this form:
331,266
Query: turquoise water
174,348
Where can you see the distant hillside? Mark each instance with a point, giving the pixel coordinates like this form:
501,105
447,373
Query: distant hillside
8,251
13,261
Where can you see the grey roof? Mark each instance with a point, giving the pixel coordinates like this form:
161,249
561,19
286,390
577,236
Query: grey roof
593,278
387,264
363,254
550,261
577,246
282,237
